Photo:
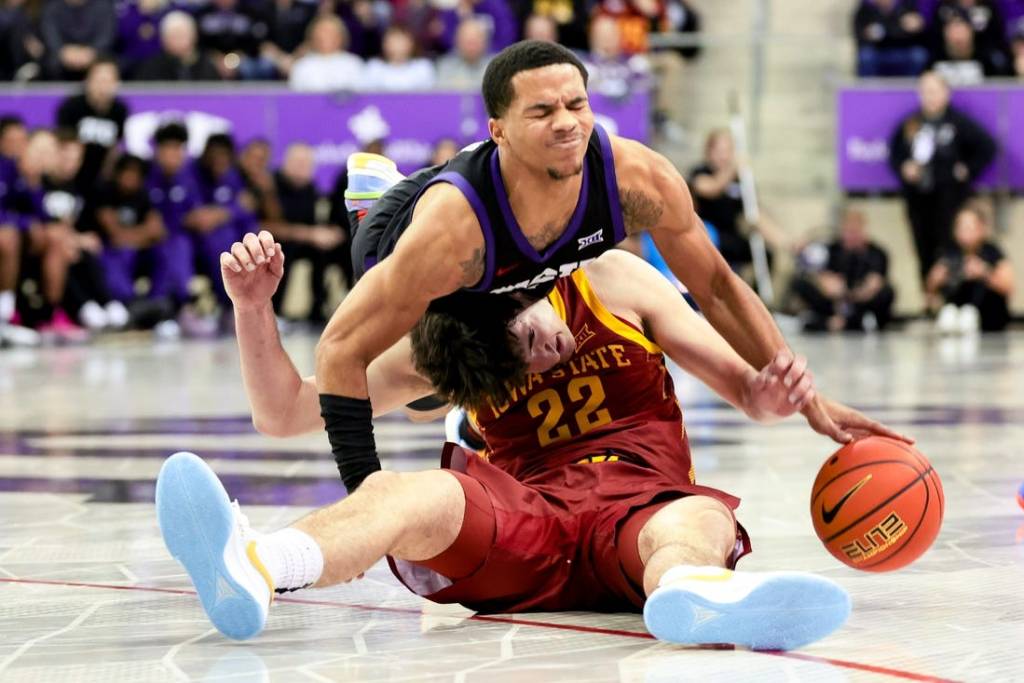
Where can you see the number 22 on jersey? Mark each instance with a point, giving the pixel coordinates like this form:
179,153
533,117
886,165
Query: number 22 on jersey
585,395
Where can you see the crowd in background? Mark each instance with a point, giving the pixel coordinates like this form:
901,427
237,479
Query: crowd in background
321,45
964,40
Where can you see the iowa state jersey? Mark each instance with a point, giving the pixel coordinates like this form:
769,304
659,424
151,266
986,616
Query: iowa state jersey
614,399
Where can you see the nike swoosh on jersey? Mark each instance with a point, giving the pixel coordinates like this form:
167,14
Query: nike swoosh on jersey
829,515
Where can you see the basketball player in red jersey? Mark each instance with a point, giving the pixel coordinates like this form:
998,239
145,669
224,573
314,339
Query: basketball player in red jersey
585,497
546,192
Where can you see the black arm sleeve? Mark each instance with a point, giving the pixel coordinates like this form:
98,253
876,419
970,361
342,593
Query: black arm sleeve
349,423
978,148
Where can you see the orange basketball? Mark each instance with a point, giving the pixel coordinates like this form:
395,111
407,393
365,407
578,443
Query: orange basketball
877,504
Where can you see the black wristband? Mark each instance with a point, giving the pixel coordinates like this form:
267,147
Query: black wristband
349,423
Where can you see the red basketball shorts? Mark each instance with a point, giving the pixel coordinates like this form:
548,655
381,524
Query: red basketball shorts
565,539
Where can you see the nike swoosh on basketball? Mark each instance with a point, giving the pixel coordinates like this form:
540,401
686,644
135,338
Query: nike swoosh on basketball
828,515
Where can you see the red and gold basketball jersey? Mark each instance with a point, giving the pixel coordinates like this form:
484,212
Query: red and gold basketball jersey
613,399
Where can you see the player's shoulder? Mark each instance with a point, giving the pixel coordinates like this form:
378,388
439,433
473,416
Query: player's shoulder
634,159
622,281
443,208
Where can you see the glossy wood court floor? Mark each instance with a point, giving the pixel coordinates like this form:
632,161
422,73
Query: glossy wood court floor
89,593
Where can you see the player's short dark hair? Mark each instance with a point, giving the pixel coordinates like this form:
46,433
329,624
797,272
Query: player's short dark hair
467,349
525,55
171,132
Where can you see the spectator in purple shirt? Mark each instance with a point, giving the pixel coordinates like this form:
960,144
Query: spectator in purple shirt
173,192
366,22
13,138
496,15
612,72
891,38
282,30
138,32
75,33
221,189
49,241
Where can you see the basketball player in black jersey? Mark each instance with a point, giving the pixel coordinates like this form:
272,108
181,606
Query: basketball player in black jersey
547,192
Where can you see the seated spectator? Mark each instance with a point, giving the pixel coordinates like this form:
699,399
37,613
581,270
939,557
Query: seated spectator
227,33
717,197
541,27
960,61
222,192
283,27
444,151
20,49
613,73
76,33
423,19
400,69
563,21
97,116
496,15
327,66
302,235
683,18
891,38
196,233
254,167
988,31
464,70
973,280
46,237
851,291
637,19
138,32
86,295
366,21
13,138
130,227
179,59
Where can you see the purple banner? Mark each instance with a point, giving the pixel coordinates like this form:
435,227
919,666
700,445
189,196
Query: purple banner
334,125
867,118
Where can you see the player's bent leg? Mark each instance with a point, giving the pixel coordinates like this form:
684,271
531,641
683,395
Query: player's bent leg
694,599
412,516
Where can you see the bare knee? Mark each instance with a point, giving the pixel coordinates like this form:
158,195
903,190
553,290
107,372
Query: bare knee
9,239
699,521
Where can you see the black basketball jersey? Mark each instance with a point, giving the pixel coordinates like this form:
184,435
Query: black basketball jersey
511,263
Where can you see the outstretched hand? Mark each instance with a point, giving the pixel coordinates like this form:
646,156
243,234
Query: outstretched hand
844,424
252,270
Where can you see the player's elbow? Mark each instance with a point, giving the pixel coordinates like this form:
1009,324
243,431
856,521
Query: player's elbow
268,426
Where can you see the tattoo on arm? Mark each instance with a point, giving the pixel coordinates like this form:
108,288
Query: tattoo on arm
639,211
473,269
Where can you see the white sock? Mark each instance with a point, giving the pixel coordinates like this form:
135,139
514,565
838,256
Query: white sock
6,306
292,557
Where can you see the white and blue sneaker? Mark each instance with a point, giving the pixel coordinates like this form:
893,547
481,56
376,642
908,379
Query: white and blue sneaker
211,538
758,610
369,177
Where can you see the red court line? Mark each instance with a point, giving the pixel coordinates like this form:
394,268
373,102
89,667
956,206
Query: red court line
857,666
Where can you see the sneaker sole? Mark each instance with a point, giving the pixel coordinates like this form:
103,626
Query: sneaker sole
783,613
197,523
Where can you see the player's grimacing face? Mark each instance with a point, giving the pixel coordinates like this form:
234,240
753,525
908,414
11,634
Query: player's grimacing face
543,337
550,121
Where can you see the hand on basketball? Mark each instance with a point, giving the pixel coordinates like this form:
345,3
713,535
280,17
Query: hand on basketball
844,424
783,387
252,270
